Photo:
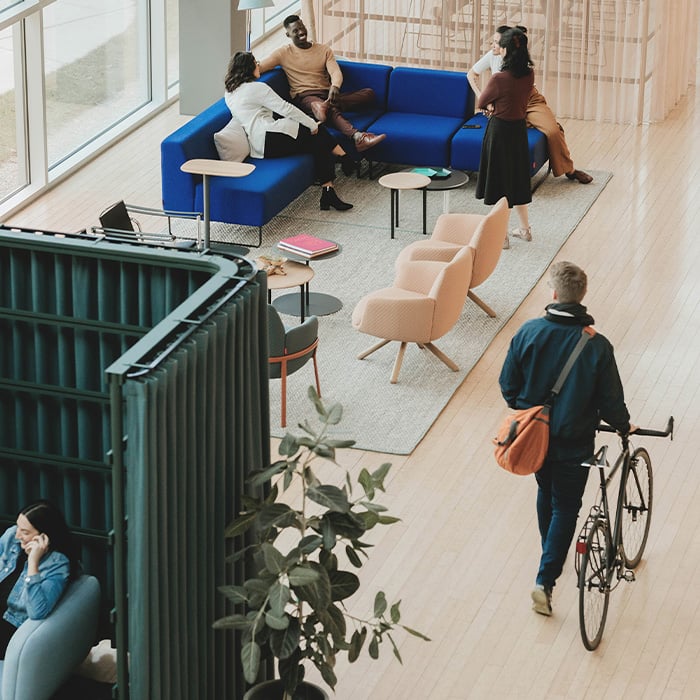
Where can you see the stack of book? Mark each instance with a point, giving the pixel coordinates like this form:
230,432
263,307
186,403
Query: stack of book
307,246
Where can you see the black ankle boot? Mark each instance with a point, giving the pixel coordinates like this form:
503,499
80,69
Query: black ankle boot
329,199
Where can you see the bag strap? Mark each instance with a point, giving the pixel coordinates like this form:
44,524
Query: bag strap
586,334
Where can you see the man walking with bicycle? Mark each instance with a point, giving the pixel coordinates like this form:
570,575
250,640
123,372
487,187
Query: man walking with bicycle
592,392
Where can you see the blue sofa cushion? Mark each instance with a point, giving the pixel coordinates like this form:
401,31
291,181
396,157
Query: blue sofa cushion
195,139
425,91
466,146
416,139
256,198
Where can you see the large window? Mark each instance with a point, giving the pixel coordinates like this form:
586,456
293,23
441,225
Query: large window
75,74
95,63
13,170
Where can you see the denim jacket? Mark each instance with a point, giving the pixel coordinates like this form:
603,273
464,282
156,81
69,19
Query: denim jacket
32,596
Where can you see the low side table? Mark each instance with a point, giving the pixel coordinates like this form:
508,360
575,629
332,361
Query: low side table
317,303
298,275
457,178
403,181
207,167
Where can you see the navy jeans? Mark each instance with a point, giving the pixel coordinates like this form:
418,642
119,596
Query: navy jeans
561,482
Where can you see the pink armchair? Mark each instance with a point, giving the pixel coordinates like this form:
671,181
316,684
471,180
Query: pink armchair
483,234
422,305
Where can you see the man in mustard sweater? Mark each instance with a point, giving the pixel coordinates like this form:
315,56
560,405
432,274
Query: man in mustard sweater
315,79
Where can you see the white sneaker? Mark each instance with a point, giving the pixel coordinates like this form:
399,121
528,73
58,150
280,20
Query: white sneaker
524,233
542,600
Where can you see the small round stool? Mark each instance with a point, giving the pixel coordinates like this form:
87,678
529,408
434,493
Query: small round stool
401,181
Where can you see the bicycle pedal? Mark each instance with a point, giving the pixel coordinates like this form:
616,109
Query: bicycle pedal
629,576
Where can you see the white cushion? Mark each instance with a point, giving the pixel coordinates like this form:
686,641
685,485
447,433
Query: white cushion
232,142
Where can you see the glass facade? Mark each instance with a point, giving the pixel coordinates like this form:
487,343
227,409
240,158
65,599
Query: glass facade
75,73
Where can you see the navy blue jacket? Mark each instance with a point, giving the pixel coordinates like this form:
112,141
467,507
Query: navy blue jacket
592,391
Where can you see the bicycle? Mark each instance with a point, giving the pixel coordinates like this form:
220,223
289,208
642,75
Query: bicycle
607,553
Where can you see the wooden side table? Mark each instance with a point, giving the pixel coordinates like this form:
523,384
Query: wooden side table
402,181
298,275
207,167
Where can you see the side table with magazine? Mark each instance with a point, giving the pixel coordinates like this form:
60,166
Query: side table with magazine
304,248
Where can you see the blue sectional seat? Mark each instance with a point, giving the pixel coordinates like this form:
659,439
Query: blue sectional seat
466,147
425,108
420,110
252,200
355,77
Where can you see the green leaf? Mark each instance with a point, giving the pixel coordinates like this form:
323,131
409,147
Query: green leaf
365,480
388,520
327,674
416,633
374,647
339,444
334,414
236,594
261,478
283,643
328,533
250,660
395,614
274,559
309,544
378,475
330,497
396,649
353,556
356,643
380,604
318,592
343,584
303,575
240,525
288,446
236,622
279,596
276,515
276,622
333,622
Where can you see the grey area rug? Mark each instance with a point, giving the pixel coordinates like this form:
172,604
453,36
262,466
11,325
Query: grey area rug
386,417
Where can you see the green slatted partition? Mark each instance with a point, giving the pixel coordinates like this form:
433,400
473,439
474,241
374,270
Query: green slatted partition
133,391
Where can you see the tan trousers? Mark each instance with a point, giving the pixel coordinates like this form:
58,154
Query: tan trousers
541,117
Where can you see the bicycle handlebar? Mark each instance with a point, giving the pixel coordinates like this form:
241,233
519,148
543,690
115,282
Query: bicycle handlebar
605,428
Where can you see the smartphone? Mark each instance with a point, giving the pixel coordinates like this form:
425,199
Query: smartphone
471,126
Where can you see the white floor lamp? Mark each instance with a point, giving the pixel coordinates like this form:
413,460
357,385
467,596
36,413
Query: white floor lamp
249,5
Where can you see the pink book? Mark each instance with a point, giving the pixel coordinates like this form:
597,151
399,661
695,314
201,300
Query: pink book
308,245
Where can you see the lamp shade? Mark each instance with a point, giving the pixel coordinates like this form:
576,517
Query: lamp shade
254,4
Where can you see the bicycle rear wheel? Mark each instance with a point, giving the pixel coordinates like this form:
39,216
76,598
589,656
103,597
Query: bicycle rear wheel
593,588
636,507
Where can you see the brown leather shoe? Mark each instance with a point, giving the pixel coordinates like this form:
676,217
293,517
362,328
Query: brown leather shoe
320,110
583,178
368,140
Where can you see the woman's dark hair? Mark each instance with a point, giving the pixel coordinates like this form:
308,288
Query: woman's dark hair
48,519
240,70
517,59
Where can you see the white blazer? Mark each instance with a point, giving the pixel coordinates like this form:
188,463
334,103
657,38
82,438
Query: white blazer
254,103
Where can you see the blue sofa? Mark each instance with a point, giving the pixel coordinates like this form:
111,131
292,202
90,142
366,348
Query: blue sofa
421,111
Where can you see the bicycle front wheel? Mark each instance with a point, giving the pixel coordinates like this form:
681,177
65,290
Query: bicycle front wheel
593,588
636,507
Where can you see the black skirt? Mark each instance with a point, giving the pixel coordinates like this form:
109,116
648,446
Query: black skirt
504,170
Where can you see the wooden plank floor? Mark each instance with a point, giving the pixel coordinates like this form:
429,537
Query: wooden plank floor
464,557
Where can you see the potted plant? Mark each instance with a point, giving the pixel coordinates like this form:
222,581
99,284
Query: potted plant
292,606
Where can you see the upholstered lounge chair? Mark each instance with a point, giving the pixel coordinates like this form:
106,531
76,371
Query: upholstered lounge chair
421,306
484,234
289,350
42,654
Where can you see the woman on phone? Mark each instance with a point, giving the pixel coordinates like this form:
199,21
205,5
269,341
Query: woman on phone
37,559
254,105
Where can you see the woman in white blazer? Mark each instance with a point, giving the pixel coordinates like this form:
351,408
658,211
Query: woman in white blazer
254,104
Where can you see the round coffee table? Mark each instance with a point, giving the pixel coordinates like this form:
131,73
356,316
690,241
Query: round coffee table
457,178
317,303
298,275
405,180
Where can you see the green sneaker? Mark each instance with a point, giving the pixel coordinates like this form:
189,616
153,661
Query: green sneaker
542,600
